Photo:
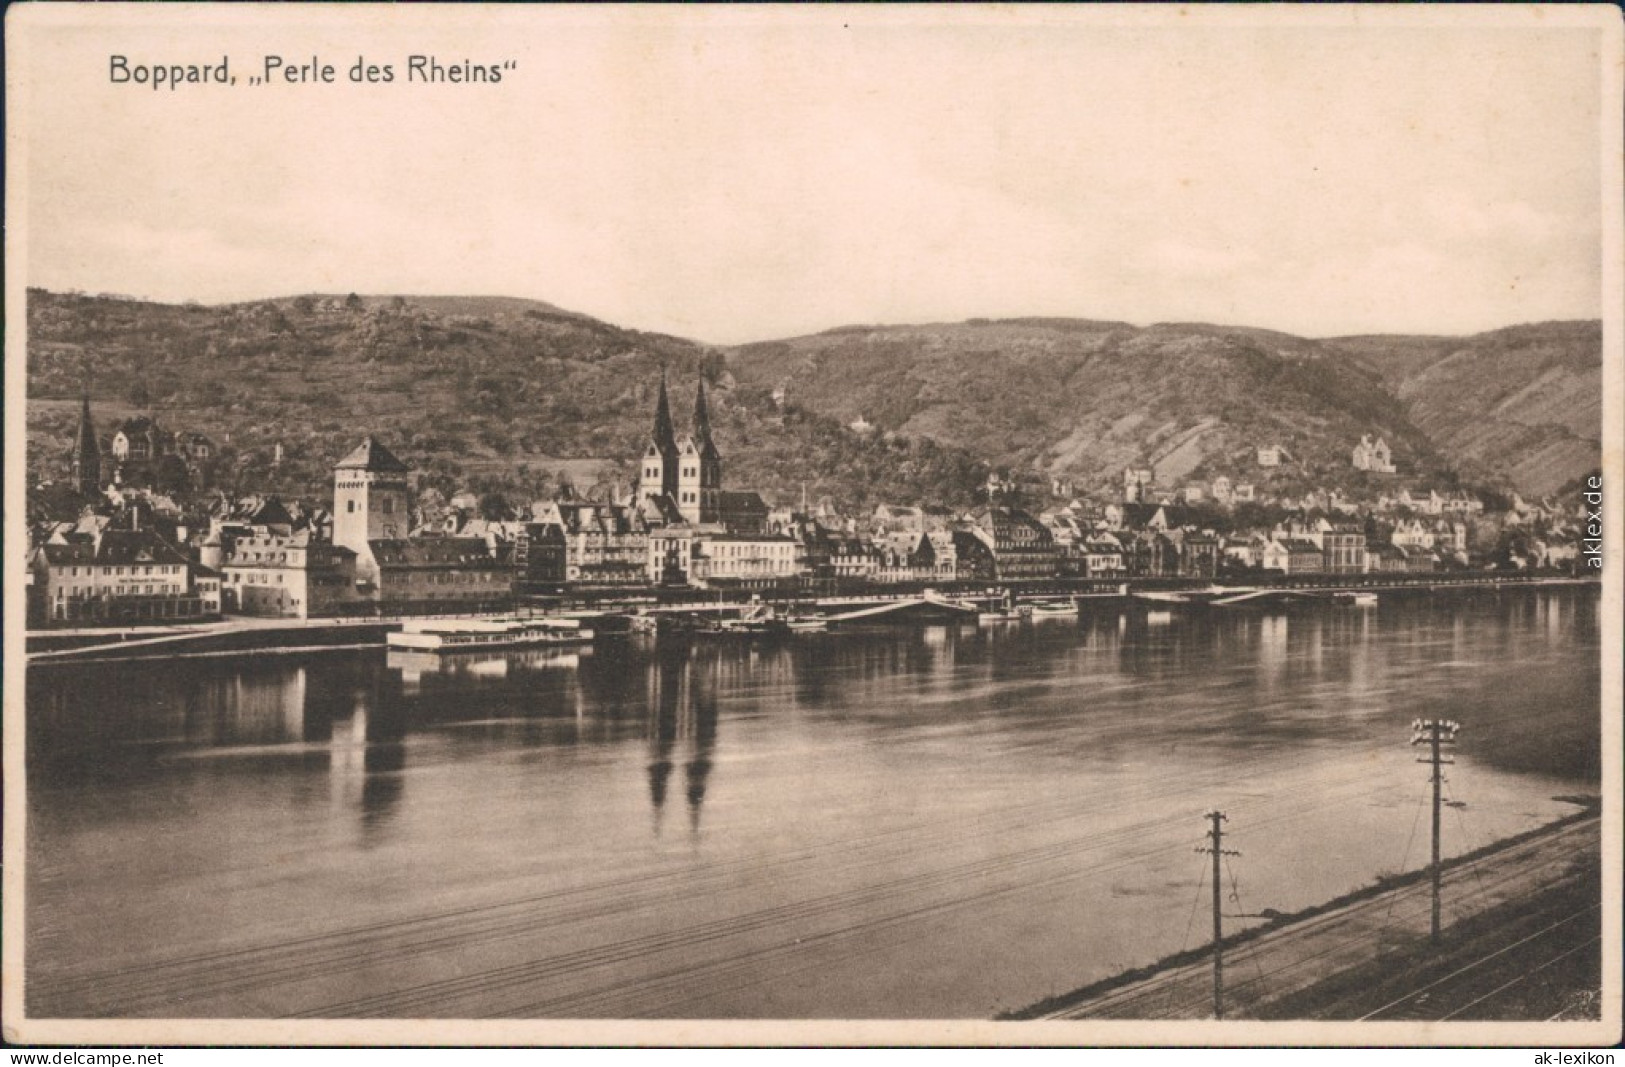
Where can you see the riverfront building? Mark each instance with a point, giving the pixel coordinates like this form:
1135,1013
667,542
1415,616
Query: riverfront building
712,559
109,578
369,504
427,575
539,557
398,574
602,544
1292,555
1343,546
287,575
1023,547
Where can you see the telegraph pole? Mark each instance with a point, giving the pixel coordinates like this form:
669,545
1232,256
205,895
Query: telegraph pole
1435,733
1216,835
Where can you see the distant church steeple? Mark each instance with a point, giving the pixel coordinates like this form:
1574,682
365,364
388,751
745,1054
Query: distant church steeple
711,459
685,472
699,479
665,434
87,452
658,475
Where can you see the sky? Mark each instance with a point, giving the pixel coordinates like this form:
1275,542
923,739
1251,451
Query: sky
734,175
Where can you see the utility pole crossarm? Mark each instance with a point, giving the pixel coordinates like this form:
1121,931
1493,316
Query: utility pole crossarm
1216,836
1435,733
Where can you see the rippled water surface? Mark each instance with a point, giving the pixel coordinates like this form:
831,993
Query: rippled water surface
894,823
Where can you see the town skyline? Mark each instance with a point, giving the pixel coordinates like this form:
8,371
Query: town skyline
389,546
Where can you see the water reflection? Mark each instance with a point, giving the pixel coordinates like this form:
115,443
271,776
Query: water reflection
367,708
370,747
656,793
698,769
683,680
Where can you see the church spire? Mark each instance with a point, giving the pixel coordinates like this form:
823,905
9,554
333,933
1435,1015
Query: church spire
702,424
665,434
87,452
657,477
709,471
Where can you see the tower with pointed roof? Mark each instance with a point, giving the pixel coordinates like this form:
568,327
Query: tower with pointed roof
710,458
369,500
658,475
699,467
87,452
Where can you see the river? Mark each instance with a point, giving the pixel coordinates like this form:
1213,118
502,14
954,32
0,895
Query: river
914,822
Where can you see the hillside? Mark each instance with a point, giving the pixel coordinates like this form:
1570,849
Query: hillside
512,396
1523,402
1085,399
491,394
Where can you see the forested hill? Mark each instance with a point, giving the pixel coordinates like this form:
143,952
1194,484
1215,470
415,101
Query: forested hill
1524,402
490,394
499,394
1084,399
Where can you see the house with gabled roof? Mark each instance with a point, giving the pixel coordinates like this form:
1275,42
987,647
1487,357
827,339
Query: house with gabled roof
1374,456
110,578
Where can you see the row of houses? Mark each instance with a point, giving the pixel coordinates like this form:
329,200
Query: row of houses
268,564
260,557
371,553
1140,486
265,559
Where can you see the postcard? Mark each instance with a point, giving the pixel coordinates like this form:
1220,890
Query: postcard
977,525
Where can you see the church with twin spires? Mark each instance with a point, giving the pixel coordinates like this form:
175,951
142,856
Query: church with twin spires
681,477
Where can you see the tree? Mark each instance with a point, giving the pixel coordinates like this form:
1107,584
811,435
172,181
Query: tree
494,507
172,475
712,366
352,303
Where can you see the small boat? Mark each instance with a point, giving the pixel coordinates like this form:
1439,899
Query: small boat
757,621
416,664
1054,609
1007,610
1160,597
807,625
470,635
676,625
1365,600
744,628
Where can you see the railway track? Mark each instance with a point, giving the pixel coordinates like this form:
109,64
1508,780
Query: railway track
1475,989
1368,959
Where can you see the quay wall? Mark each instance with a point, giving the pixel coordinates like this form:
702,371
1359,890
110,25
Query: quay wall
245,635
221,639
